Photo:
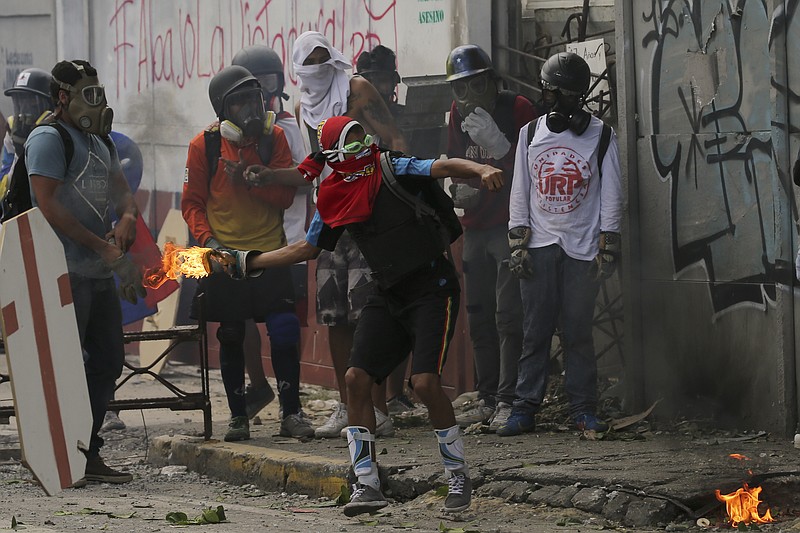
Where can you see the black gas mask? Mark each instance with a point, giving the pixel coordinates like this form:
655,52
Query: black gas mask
475,91
566,110
30,109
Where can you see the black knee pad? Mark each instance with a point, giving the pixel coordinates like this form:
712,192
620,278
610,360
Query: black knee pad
230,333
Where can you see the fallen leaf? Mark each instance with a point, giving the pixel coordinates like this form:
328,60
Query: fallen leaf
621,423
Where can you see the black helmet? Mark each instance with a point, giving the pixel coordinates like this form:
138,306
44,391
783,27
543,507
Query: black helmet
225,82
566,72
467,60
259,60
32,80
380,59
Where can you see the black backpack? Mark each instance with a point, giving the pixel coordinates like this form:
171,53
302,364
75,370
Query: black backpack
436,204
17,199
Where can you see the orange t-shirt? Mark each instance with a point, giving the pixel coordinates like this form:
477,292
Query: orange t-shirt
237,215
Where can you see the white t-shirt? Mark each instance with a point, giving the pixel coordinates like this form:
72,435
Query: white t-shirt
294,218
557,190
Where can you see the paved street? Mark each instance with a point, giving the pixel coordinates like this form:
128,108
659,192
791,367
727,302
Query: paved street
553,480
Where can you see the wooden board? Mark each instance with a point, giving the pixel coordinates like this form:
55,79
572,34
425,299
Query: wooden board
43,349
173,230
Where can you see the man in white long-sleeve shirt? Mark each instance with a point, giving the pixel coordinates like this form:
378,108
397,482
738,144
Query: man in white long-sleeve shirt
565,214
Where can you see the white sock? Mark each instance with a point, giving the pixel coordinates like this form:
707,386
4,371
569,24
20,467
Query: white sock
451,448
361,444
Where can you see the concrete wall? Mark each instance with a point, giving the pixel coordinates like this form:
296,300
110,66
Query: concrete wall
713,214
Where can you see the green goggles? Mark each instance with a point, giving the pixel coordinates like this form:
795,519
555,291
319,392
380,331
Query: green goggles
354,147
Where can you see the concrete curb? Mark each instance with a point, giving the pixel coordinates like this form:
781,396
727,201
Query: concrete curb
267,468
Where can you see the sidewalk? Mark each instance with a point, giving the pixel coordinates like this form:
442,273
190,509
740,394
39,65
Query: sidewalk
637,478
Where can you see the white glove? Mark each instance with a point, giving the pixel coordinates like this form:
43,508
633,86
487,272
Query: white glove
484,132
797,264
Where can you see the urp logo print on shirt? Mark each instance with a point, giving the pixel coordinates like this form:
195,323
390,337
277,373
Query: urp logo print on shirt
562,179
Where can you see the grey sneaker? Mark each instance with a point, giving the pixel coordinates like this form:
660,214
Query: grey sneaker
257,398
459,494
112,422
500,416
296,426
238,429
480,413
364,499
96,470
335,424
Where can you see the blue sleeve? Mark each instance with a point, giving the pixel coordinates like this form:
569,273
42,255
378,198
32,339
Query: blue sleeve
322,235
411,166
44,154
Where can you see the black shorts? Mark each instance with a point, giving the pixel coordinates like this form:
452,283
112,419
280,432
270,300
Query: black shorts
387,332
232,300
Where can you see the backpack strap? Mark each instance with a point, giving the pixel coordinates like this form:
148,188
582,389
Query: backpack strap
213,139
602,148
66,138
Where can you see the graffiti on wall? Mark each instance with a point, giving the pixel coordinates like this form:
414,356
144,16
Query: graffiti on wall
711,114
157,43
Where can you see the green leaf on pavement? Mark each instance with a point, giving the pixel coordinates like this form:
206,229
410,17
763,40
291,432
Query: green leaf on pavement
442,490
178,518
344,495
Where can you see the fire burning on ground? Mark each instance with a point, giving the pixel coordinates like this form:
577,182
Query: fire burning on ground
191,262
742,505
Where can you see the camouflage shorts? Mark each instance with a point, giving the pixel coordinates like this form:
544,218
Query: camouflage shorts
343,284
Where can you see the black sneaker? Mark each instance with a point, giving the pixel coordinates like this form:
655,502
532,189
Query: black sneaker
364,499
238,429
459,494
257,398
400,404
96,470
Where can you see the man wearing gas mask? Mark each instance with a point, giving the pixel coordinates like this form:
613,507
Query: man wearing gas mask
484,127
379,67
33,105
223,210
566,210
75,197
264,63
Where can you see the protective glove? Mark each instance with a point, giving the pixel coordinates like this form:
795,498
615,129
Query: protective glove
130,279
232,263
464,196
608,256
483,130
520,264
212,243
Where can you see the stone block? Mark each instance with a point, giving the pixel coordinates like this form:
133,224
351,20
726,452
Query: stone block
590,500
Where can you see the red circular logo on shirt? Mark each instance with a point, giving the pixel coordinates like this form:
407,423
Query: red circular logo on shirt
561,176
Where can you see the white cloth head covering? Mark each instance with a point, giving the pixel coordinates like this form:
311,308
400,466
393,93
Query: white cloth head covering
324,88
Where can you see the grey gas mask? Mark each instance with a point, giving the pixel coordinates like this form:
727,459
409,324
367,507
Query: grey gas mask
87,107
474,91
244,115
30,109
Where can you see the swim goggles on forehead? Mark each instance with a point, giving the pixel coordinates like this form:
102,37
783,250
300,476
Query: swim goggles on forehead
349,148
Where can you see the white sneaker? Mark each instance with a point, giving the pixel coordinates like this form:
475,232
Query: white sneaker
383,425
500,417
335,424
